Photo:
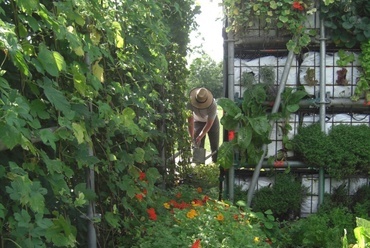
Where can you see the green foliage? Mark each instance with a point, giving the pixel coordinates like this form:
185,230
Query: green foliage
323,229
250,118
287,17
204,176
362,233
88,86
348,147
363,85
284,197
205,72
250,121
347,22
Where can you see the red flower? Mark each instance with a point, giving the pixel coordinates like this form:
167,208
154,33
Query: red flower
139,197
152,214
197,202
142,176
298,6
196,244
145,191
205,199
178,195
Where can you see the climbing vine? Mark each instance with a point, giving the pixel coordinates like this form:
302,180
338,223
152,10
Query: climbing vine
87,86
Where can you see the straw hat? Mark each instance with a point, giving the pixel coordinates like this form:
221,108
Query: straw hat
201,98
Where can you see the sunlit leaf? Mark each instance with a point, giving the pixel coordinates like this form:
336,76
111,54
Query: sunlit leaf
78,132
98,71
28,6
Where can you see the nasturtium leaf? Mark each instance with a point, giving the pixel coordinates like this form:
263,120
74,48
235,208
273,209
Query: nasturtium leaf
139,155
283,19
273,5
98,71
152,174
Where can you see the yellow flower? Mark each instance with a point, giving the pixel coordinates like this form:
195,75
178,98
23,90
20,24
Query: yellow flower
220,217
191,214
166,205
256,240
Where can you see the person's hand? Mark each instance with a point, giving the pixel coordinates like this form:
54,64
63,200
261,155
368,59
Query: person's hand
198,140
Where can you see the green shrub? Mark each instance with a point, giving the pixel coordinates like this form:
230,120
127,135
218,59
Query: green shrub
323,229
284,197
343,152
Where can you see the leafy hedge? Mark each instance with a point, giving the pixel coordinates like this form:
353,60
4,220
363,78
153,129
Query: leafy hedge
343,152
88,92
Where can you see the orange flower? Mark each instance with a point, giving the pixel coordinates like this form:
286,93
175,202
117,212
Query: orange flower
166,205
196,244
152,214
197,203
145,191
191,214
220,217
199,190
139,197
298,6
142,176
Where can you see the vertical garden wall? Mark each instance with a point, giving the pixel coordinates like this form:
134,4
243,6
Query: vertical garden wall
88,94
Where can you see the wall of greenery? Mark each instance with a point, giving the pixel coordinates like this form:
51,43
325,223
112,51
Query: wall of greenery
87,85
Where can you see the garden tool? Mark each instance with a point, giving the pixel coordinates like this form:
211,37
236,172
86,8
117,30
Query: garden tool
199,155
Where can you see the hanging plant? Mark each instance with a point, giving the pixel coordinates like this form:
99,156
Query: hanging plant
285,16
347,22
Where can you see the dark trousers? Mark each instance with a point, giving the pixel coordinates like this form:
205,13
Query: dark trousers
213,136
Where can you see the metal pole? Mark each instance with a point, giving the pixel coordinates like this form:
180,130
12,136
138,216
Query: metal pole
322,101
91,241
275,108
230,75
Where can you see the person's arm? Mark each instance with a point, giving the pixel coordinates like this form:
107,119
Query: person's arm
205,130
191,126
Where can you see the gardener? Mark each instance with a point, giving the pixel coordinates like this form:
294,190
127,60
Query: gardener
204,119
